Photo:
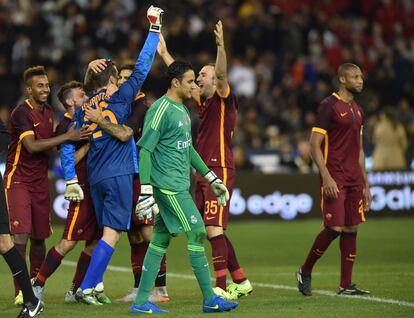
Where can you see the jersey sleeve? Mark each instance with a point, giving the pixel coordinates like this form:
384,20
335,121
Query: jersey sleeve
139,109
22,122
153,127
133,85
67,149
323,118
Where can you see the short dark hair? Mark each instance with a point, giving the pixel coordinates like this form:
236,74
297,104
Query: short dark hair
126,66
94,80
345,67
177,69
33,71
66,89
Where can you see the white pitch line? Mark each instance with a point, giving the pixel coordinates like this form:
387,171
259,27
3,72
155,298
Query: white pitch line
271,286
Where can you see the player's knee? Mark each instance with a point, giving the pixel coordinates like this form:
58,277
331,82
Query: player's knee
5,243
65,246
135,237
350,229
161,240
333,231
146,233
197,236
213,231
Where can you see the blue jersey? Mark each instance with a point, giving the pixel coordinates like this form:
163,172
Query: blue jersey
107,156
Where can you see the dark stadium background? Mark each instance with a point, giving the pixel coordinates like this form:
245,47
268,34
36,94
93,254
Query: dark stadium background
282,60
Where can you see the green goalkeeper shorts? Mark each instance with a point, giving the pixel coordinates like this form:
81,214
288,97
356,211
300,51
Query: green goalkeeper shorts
178,212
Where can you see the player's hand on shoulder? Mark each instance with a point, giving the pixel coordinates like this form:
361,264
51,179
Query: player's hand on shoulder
218,32
76,134
146,205
73,191
154,15
218,187
94,114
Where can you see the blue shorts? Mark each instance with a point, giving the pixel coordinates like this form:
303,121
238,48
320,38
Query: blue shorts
112,199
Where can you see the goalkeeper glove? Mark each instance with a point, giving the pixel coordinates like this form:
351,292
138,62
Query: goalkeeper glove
146,205
218,188
154,16
73,192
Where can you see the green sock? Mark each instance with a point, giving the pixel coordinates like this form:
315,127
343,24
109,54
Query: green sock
199,264
198,260
150,269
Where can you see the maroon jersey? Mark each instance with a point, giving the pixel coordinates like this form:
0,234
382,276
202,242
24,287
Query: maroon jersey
80,167
217,122
22,166
341,124
139,108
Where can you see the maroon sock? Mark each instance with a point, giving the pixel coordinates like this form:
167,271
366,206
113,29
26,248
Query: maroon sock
237,273
161,279
321,243
37,256
22,251
138,252
219,253
347,244
51,263
81,268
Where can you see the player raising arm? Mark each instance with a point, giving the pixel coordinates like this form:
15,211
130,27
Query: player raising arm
111,163
218,113
166,154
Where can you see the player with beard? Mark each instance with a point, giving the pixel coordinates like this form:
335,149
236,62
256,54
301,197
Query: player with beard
336,145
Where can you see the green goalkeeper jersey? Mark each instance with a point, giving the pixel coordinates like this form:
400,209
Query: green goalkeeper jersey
167,136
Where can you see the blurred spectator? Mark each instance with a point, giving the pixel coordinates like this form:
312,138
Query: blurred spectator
390,143
282,54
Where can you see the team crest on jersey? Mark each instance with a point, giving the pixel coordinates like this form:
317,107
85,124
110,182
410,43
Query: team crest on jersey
180,124
193,219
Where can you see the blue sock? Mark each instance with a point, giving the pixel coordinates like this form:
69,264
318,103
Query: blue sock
99,261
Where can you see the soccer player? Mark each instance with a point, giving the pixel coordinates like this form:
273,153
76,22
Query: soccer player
111,162
336,144
11,254
218,113
25,180
166,154
140,232
81,221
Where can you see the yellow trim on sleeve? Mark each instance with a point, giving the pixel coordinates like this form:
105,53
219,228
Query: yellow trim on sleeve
227,92
139,95
25,134
319,130
28,103
67,115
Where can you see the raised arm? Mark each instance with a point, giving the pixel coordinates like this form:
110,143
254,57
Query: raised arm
221,62
133,85
163,51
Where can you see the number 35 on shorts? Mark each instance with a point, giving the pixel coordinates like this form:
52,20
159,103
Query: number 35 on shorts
210,208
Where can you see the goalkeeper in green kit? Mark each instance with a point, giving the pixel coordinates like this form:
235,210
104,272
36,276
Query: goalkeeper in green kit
166,155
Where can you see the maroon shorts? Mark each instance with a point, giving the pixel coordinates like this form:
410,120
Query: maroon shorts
81,222
29,212
346,210
135,222
206,200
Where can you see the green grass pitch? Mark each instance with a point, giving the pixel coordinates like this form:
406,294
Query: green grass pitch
270,252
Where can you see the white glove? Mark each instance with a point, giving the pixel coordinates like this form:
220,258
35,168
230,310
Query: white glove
73,192
154,15
146,205
218,188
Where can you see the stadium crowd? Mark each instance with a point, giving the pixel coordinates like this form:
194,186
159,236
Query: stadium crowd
282,57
